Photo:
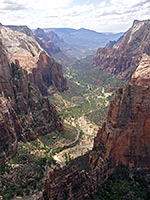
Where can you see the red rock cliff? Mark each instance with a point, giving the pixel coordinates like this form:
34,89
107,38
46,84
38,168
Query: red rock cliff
126,54
125,136
48,72
42,69
20,105
142,74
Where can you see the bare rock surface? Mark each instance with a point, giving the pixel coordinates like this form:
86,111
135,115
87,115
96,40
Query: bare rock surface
142,74
124,57
33,59
24,113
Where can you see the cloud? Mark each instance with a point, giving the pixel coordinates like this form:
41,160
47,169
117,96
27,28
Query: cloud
49,4
109,15
12,5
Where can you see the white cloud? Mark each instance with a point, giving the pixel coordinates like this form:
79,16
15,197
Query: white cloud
113,15
49,4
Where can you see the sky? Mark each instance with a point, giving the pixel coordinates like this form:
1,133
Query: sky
98,15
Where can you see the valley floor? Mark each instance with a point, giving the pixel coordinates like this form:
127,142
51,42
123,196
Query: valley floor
83,108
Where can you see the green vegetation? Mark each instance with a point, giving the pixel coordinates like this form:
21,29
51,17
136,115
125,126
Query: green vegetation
90,91
81,162
123,187
24,173
89,95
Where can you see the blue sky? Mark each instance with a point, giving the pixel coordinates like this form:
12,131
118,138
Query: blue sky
99,15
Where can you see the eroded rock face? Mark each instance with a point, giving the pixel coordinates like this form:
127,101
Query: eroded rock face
68,183
5,73
125,137
33,59
126,54
142,74
21,47
51,72
24,113
10,130
47,43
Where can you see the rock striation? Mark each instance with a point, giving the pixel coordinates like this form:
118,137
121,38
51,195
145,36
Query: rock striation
30,55
46,42
24,113
124,57
123,141
68,183
23,29
125,137
142,74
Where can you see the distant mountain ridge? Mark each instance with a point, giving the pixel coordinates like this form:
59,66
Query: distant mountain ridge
84,37
124,57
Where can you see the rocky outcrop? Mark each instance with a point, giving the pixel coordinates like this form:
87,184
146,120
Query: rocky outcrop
68,183
126,54
125,136
49,46
54,37
10,130
21,47
24,113
41,35
110,44
5,72
23,29
33,59
142,74
45,42
51,72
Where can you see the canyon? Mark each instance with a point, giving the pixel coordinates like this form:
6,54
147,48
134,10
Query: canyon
121,143
33,88
21,101
42,69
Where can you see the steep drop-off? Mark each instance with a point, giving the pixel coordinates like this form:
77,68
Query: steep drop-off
29,54
121,143
45,42
124,57
24,113
142,74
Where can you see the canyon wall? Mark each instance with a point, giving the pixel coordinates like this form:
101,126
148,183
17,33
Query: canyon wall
124,57
33,59
24,113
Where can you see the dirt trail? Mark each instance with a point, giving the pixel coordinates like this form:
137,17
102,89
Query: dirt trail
89,130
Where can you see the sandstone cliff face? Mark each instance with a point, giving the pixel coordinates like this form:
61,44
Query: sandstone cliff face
125,136
68,183
10,130
21,47
51,72
23,29
142,74
28,52
24,113
45,42
5,73
126,54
